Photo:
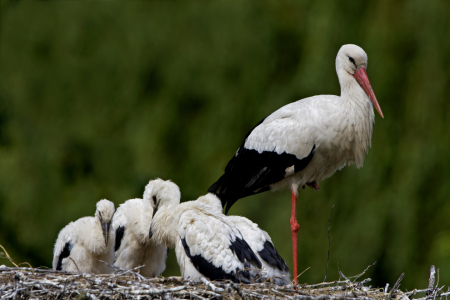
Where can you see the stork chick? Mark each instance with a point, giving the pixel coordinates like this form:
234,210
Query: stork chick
133,247
82,244
273,265
206,244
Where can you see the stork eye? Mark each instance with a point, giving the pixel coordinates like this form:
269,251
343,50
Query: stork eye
154,199
352,60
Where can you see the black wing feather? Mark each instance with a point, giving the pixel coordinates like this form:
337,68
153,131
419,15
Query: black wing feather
250,172
119,235
64,253
243,252
270,255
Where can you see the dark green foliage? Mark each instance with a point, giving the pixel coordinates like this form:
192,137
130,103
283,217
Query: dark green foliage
96,98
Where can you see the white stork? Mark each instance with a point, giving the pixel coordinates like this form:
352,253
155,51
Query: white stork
273,265
206,243
306,141
82,244
133,248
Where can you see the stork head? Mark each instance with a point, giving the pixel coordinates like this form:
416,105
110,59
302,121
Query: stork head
105,212
212,201
351,62
161,193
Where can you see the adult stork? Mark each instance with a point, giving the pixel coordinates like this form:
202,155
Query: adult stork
206,243
82,244
133,247
306,141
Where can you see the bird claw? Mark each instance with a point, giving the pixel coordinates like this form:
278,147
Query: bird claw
313,185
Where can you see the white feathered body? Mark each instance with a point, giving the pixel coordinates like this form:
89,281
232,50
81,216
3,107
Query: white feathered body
136,249
207,235
340,128
306,141
87,247
273,266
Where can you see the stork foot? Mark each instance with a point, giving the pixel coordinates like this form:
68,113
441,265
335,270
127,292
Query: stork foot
314,185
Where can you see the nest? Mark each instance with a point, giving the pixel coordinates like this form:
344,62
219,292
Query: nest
36,283
31,283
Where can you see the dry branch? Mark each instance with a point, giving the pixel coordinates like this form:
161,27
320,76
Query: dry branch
28,283
395,287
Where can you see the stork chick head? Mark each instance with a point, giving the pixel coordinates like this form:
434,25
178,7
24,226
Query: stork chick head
351,61
105,212
212,201
161,193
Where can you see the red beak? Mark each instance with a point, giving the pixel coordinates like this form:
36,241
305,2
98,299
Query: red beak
361,76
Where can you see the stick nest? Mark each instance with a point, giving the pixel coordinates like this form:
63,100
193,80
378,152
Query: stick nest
31,283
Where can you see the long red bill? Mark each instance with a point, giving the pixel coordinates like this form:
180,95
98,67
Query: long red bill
361,76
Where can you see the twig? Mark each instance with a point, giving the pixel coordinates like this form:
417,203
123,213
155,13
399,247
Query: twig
211,286
8,257
36,270
313,286
123,270
329,242
342,274
234,286
431,280
395,287
437,281
79,272
301,273
361,274
127,271
445,294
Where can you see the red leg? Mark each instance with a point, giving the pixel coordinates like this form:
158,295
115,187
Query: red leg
294,231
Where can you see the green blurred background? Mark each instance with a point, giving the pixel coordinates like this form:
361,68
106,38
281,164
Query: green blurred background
96,98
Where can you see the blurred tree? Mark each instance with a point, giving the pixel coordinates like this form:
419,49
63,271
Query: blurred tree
97,98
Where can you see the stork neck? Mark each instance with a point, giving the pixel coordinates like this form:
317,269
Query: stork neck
350,88
164,225
146,219
352,93
90,228
359,114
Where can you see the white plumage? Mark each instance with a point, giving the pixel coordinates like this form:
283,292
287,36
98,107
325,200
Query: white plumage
206,243
273,265
133,247
82,244
306,141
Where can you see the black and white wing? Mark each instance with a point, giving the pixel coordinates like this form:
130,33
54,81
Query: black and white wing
273,264
278,146
63,246
216,248
118,225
